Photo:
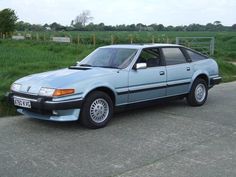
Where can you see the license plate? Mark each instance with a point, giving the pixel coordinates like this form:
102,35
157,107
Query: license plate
22,103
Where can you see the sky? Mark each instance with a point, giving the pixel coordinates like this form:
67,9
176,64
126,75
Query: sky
114,12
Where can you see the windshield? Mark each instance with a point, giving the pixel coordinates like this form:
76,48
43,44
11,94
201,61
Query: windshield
109,58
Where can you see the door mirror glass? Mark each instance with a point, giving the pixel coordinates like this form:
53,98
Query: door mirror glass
141,66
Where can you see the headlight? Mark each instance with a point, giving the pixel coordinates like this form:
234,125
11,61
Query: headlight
46,91
55,92
15,87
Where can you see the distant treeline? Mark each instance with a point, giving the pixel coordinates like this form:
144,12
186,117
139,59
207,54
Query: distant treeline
216,26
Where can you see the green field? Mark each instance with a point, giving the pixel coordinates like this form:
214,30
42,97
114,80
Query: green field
21,58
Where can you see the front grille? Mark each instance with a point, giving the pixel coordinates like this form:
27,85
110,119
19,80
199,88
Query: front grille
35,97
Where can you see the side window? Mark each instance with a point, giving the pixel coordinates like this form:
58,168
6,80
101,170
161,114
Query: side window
194,56
151,57
173,56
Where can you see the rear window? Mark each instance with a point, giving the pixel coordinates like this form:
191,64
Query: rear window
173,56
194,56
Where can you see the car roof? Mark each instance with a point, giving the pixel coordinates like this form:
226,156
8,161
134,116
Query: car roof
140,46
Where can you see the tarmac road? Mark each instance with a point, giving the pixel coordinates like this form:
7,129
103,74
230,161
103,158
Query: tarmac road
170,139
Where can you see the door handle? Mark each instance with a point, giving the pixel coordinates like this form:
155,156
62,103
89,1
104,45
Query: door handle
188,68
162,72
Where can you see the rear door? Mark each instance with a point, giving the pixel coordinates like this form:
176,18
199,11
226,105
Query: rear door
179,71
148,83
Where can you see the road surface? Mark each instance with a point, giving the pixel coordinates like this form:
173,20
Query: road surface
170,139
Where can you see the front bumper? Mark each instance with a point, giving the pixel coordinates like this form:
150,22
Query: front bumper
48,109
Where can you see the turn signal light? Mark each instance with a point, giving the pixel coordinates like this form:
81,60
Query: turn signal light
61,92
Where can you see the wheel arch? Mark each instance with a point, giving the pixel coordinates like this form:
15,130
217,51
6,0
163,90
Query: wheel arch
106,90
202,75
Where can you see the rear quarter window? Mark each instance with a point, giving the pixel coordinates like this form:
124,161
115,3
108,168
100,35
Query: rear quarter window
194,56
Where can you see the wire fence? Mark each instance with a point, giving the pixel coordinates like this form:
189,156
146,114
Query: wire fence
89,38
202,44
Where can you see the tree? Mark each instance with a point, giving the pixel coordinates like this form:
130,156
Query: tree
234,27
217,23
210,27
23,26
160,27
141,26
36,27
170,28
56,27
194,27
83,18
8,20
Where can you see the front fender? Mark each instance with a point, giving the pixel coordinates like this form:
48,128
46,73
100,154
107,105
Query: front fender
97,85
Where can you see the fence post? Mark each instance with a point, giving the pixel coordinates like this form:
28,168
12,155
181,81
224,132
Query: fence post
94,39
153,39
177,40
131,39
70,37
112,39
167,40
3,36
188,44
37,36
212,46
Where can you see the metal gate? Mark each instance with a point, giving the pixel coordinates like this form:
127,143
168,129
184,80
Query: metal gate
205,45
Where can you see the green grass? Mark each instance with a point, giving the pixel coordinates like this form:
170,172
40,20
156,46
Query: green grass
227,70
21,58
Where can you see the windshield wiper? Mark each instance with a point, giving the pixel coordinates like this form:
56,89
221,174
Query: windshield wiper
108,67
86,65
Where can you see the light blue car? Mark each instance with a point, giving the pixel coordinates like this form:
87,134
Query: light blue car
112,77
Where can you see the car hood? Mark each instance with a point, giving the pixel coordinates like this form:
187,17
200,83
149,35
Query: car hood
62,78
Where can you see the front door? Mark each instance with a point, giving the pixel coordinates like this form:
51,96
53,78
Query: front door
148,83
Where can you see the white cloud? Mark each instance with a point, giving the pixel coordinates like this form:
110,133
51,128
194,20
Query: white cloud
168,12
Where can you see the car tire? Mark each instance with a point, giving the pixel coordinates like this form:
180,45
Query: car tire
198,93
97,110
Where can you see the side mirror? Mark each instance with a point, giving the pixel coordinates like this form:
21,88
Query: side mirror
140,66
